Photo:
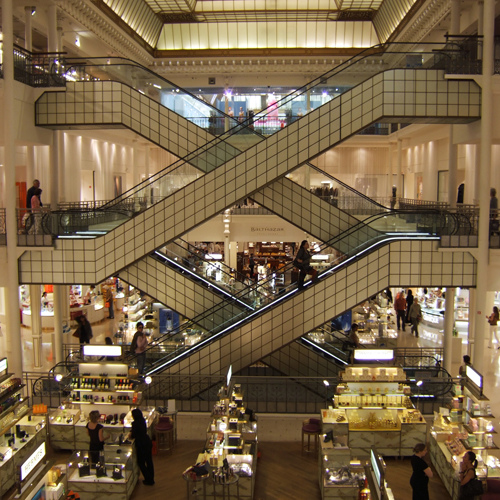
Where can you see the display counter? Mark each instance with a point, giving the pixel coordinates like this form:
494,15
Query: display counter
114,479
374,410
231,437
20,432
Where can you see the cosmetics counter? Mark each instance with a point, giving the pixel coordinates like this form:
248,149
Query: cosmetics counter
373,409
21,432
376,326
343,476
466,425
102,386
230,455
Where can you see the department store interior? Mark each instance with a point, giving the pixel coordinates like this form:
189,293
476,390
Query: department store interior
162,163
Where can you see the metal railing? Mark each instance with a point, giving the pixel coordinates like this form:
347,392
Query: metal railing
263,394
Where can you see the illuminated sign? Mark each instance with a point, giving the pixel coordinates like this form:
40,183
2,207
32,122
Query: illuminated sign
32,461
474,377
229,375
373,354
431,318
102,350
3,366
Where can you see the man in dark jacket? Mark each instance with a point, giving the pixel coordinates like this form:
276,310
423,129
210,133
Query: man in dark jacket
31,192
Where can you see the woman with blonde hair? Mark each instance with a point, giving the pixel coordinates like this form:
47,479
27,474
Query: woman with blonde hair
96,435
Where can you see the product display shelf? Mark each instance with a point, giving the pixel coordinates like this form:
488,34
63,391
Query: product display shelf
117,484
14,422
459,429
231,435
102,386
376,412
17,445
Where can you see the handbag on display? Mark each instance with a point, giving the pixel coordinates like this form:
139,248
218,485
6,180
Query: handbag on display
117,473
101,470
84,470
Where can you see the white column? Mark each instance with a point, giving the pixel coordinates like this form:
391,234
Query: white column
477,170
52,28
59,316
399,167
449,323
480,26
391,172
28,39
452,171
227,250
455,17
30,164
12,320
54,167
449,314
430,171
36,324
484,178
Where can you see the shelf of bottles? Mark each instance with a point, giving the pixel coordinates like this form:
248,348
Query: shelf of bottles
373,409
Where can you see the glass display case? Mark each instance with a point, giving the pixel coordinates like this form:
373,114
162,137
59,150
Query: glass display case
62,427
113,477
373,407
232,436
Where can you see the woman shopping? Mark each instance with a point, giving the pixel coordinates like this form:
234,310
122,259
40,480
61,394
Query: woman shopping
421,473
468,479
143,447
493,319
95,432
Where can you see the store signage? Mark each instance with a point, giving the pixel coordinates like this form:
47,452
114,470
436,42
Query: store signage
35,458
266,229
373,354
431,318
102,350
475,377
3,366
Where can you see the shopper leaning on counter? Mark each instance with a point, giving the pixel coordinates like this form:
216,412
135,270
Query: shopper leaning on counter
143,447
467,474
419,480
96,435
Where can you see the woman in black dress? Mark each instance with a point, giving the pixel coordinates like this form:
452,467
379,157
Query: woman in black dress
409,302
96,435
421,473
143,447
467,473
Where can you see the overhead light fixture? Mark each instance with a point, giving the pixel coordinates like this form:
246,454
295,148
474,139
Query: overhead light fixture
419,383
77,41
326,383
33,11
58,377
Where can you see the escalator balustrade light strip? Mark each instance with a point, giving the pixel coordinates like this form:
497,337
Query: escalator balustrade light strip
316,346
280,299
77,237
201,278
